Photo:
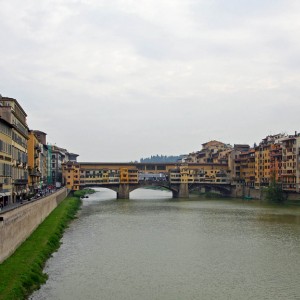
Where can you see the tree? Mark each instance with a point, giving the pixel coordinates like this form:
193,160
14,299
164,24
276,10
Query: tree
274,192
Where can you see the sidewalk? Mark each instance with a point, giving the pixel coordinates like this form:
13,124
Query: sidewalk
12,206
16,204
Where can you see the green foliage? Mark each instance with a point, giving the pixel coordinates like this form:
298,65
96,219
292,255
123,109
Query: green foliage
161,159
22,273
81,193
274,192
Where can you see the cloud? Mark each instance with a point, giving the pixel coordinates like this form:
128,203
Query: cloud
127,78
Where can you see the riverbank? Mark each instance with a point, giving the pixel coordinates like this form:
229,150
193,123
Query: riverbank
22,273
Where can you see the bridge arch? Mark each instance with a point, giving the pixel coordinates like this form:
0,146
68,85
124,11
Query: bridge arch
180,190
123,190
91,186
171,189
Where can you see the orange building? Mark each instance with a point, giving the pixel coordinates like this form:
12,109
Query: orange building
71,175
34,173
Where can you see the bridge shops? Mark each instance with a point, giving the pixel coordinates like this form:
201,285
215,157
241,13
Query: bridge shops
124,178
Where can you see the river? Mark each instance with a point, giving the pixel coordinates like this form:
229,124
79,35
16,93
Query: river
154,247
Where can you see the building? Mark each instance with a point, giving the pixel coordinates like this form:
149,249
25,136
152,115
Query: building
14,114
5,162
290,176
247,167
264,161
211,152
72,156
58,156
43,156
71,175
276,161
34,163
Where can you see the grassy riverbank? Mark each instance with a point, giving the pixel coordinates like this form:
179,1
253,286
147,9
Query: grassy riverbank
22,273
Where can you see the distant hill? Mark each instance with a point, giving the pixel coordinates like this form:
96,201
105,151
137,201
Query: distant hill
160,159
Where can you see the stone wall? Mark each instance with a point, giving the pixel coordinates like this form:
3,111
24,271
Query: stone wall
240,191
17,224
293,197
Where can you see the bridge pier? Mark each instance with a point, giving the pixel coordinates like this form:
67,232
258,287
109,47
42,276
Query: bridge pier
123,191
183,191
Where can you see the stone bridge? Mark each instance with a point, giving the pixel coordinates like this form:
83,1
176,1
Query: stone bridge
123,178
179,190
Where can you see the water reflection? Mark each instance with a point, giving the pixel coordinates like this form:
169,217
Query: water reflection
154,247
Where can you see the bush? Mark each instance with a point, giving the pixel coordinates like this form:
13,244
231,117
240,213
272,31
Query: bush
274,192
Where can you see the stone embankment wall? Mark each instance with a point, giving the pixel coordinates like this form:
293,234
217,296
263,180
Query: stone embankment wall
17,224
240,191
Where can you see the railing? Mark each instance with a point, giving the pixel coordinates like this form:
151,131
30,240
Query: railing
20,181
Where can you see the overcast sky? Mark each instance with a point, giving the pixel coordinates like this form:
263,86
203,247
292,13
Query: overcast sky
117,80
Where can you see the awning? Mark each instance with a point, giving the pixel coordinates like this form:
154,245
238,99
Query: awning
3,195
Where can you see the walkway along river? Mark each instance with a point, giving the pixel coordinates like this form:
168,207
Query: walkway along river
154,247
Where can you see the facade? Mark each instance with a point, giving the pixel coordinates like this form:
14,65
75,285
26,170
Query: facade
276,161
211,152
78,175
34,163
12,111
5,162
262,165
290,176
57,157
43,156
266,162
71,175
247,167
128,175
75,175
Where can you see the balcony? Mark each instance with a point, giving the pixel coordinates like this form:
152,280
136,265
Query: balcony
21,181
35,173
37,148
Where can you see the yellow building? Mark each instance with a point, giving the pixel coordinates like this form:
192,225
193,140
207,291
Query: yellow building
247,167
213,152
76,175
14,114
209,173
5,162
262,165
129,175
34,172
276,161
71,175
